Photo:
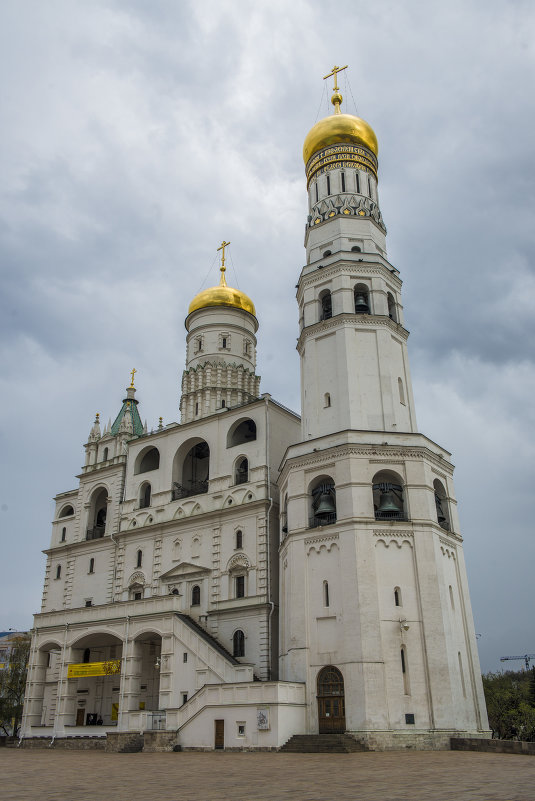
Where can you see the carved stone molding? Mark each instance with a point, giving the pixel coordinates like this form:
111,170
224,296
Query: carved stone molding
392,533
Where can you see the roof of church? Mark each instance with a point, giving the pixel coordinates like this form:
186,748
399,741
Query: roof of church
128,409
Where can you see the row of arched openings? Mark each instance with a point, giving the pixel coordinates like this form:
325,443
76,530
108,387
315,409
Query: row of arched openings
361,300
389,501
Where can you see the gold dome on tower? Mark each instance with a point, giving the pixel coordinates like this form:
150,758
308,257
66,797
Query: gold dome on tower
340,129
222,295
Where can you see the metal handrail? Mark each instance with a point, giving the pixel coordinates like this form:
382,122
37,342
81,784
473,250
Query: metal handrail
194,488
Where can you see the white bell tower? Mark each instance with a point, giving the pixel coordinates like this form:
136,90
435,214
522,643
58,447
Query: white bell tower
375,612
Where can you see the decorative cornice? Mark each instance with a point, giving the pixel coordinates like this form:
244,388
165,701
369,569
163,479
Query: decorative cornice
326,455
392,533
360,268
354,320
326,538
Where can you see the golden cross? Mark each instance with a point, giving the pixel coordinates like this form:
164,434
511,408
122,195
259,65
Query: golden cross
134,371
222,247
335,71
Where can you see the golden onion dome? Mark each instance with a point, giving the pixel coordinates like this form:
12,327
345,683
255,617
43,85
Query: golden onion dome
336,129
222,295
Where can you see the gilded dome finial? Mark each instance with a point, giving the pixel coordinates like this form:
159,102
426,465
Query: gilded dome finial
222,247
337,98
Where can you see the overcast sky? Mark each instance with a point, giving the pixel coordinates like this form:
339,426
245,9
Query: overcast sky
136,135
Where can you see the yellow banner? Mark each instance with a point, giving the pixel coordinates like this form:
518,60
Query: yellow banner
76,671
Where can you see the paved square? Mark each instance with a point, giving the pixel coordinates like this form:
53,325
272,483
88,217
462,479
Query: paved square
39,775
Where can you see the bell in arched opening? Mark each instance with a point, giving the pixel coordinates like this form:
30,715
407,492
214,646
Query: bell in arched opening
361,302
326,505
323,505
390,506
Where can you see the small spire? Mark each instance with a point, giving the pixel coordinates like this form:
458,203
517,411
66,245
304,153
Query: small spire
222,247
94,434
160,423
145,429
337,98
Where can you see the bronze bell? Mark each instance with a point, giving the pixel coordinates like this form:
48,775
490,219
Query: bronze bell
387,503
326,505
441,517
361,304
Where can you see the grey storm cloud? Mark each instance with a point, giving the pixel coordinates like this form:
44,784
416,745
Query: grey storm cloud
136,136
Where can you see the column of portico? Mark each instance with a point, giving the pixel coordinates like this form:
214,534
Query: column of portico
131,681
66,697
35,690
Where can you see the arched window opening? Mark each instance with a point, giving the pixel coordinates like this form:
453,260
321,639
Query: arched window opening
284,516
327,400
391,307
326,593
388,497
397,596
238,643
327,253
58,572
356,249
441,505
223,403
195,472
196,596
405,670
150,461
239,586
91,565
239,540
243,433
326,305
105,455
401,392
63,534
362,299
139,558
97,515
323,497
451,598
242,472
67,511
174,591
144,495
87,656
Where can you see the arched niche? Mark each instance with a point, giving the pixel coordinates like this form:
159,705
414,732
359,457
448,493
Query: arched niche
242,432
148,459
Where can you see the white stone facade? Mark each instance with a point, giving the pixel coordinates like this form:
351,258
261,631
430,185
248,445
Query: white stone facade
251,574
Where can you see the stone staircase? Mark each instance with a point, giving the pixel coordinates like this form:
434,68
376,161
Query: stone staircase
322,744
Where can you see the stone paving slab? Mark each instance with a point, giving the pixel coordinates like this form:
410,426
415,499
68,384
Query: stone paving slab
35,775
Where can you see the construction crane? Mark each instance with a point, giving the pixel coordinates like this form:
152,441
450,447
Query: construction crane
525,657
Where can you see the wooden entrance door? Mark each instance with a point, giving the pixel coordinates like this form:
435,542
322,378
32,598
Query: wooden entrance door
219,734
80,713
331,706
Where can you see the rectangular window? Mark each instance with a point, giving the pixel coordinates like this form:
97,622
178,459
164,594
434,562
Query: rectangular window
343,177
185,657
184,698
358,182
317,192
328,184
240,586
241,728
89,602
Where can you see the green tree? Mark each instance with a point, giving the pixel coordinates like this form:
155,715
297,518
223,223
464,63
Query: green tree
510,706
13,684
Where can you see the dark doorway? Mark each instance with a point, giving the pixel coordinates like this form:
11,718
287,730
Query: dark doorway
331,707
219,734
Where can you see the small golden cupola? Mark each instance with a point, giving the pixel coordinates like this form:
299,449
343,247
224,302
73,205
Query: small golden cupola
341,140
222,295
